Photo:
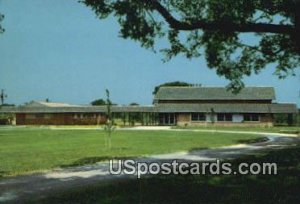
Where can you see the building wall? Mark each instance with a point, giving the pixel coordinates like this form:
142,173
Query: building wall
184,119
60,119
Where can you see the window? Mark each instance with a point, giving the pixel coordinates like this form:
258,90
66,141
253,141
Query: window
198,117
167,118
251,117
224,117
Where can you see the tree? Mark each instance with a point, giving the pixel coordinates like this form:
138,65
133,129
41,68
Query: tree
109,125
174,83
134,104
212,116
215,29
98,102
2,96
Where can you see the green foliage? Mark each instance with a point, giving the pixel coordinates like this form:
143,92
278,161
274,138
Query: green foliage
285,119
215,29
98,102
134,104
174,83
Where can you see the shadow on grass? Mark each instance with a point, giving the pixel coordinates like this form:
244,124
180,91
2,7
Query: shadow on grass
253,141
3,173
281,188
92,160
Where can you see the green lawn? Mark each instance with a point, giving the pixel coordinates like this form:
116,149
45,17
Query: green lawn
275,129
25,150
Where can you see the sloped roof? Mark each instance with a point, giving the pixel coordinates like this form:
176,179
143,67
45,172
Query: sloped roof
75,109
214,93
227,108
163,108
49,104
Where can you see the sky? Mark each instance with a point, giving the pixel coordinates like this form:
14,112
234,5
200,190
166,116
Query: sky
58,49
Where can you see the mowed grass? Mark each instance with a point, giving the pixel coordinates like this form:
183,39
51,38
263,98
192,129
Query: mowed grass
24,150
275,129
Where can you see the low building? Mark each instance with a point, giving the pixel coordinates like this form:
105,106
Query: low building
184,106
215,105
45,113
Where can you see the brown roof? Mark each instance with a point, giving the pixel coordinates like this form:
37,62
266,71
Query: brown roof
162,108
214,93
74,109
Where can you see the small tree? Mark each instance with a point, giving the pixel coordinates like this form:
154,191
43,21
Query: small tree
109,125
212,116
2,96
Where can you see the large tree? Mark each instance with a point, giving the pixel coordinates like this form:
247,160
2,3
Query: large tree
215,29
98,102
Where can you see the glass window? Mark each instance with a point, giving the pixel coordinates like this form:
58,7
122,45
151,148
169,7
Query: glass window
255,117
251,117
220,117
247,117
224,117
228,117
198,117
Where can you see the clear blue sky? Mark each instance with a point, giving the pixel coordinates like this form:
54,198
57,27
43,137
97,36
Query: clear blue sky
58,49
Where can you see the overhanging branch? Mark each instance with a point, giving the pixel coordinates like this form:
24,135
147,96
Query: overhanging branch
219,25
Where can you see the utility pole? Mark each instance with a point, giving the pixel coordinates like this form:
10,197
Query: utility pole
2,96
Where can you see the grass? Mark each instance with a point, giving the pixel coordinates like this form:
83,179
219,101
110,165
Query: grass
26,150
281,188
275,129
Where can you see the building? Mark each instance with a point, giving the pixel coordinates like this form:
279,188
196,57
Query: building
215,105
184,106
44,113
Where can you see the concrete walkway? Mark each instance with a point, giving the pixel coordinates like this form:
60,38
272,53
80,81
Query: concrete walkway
21,188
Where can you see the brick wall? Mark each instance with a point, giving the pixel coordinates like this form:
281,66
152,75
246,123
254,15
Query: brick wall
59,119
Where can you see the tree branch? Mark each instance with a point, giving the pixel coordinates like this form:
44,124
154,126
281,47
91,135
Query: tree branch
219,25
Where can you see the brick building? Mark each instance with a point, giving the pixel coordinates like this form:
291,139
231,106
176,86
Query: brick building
184,106
215,105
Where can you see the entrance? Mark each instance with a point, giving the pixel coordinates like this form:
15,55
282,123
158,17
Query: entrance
167,119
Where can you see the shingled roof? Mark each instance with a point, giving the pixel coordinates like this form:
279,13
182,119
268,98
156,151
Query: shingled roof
76,109
226,108
163,108
214,93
